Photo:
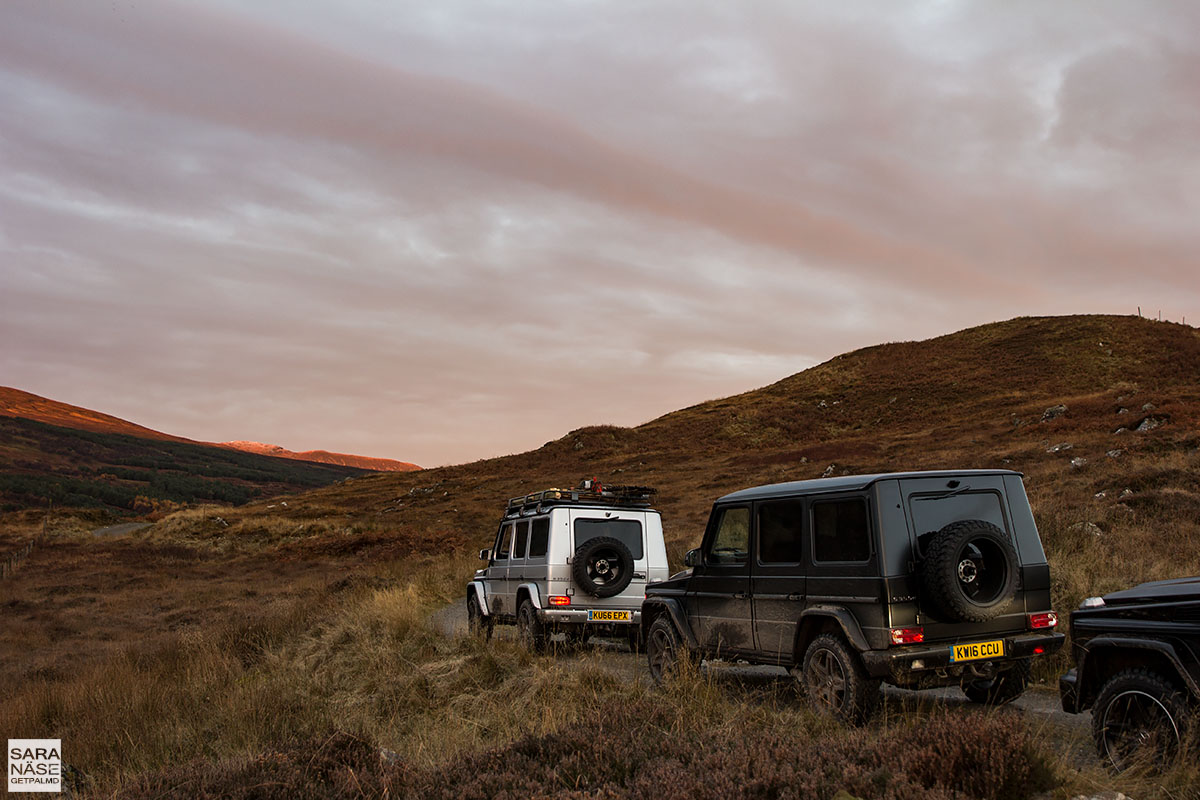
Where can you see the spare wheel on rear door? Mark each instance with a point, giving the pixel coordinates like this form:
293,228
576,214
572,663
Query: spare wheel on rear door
970,572
602,566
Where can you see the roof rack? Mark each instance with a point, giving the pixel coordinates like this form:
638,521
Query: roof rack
588,492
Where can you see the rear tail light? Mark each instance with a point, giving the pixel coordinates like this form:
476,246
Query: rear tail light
908,635
559,600
1039,650
1046,619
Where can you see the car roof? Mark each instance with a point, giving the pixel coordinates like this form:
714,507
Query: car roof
549,506
848,483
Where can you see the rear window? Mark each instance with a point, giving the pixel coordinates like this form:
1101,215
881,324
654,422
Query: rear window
539,538
626,531
932,512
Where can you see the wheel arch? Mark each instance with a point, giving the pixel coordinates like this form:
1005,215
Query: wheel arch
655,607
1105,657
827,619
530,591
477,590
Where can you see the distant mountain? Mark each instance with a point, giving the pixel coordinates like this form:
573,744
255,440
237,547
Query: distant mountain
16,403
324,457
52,451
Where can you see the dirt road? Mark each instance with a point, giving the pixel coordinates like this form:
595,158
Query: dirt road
120,530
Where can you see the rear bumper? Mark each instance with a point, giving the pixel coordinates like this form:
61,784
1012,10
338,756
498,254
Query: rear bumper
579,616
928,663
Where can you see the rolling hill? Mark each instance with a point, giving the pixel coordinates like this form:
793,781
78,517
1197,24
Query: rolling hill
1102,414
52,451
25,405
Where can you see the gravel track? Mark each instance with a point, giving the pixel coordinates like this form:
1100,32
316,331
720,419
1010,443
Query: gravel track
121,530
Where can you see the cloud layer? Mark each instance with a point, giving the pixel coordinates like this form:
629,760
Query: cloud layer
449,231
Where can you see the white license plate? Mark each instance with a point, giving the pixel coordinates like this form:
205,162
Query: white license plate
597,615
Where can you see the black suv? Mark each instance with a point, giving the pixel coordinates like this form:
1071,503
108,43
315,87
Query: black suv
919,579
1137,666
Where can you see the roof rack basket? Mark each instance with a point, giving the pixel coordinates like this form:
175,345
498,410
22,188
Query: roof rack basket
588,492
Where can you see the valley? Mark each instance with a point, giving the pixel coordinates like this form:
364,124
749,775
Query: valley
290,641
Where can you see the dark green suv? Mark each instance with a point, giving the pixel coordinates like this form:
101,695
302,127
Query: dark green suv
917,579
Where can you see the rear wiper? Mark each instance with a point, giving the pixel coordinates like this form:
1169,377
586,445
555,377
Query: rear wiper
966,487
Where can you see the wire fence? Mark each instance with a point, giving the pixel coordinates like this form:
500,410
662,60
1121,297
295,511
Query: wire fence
9,561
9,565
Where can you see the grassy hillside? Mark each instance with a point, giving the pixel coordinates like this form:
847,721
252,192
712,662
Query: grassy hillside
16,403
40,463
974,399
274,649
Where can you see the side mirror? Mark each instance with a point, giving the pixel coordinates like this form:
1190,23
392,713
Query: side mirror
692,558
485,555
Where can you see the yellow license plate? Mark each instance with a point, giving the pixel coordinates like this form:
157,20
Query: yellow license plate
609,616
977,650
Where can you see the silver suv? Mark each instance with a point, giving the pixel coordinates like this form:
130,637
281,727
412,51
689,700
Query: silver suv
571,561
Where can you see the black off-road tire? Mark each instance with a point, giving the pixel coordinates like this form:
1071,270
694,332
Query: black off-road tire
477,624
602,567
1004,688
971,571
1139,717
665,649
835,683
530,630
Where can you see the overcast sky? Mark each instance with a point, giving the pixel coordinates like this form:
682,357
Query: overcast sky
449,230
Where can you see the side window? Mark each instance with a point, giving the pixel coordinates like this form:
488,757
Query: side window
503,541
780,525
841,531
519,540
539,537
731,544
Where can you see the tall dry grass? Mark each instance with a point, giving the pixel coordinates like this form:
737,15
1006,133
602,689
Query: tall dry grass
306,696
363,656
361,659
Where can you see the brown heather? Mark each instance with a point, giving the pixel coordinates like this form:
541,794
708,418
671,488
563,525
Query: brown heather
271,650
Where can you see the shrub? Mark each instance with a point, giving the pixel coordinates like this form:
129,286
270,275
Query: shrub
627,750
